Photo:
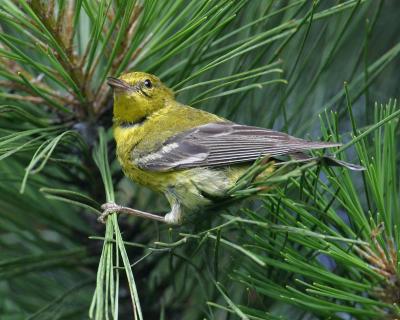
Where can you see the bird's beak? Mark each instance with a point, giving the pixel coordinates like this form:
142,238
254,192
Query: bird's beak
116,83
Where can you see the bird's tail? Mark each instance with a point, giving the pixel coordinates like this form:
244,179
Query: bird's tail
327,160
332,161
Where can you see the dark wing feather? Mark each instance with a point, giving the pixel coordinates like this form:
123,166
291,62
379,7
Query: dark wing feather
223,143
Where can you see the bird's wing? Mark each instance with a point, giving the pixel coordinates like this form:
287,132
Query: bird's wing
220,144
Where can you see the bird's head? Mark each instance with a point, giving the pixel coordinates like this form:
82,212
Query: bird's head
137,95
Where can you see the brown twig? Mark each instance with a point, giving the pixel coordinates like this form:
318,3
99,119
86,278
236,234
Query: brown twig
59,24
50,9
63,38
69,27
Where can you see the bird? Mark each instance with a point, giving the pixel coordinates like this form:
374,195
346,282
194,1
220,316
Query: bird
191,156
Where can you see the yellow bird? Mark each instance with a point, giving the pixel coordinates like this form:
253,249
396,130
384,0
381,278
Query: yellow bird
191,156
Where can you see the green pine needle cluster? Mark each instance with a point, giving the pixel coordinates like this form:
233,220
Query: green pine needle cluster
312,242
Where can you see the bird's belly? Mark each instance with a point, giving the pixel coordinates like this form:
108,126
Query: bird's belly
193,188
157,181
198,187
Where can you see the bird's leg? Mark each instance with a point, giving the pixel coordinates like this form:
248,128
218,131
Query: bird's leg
172,217
175,215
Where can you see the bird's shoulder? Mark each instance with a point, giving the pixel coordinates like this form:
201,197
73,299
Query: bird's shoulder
168,122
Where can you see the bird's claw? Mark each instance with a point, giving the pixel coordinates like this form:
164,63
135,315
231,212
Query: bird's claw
108,208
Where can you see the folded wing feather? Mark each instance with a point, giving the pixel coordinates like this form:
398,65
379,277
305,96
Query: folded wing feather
221,144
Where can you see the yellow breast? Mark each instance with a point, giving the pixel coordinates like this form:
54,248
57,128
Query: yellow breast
137,140
127,139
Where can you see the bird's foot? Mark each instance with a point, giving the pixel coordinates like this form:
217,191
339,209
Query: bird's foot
108,208
111,207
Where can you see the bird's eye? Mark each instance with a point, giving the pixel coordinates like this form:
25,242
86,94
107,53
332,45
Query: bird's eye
147,83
